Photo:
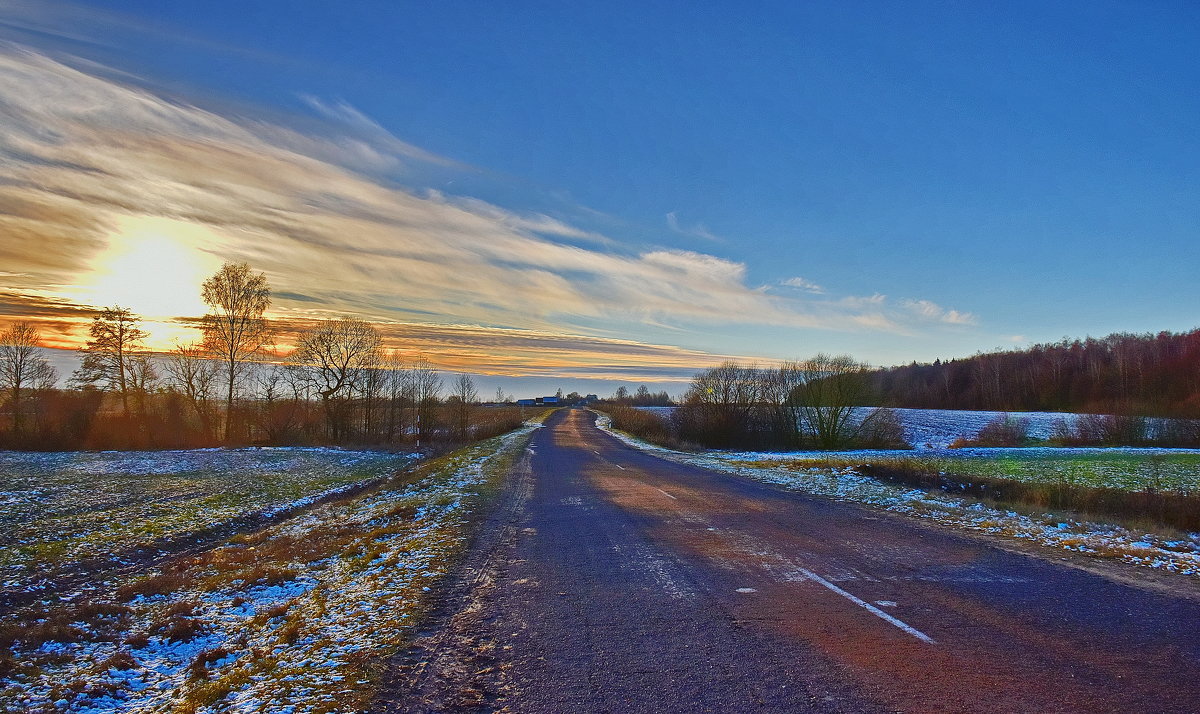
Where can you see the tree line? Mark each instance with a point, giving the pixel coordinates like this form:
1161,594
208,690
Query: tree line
1127,374
643,397
815,403
233,386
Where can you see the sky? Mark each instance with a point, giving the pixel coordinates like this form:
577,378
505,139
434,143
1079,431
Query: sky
581,195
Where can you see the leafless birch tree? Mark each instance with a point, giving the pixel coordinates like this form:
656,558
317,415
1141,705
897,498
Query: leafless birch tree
426,390
464,395
22,367
234,329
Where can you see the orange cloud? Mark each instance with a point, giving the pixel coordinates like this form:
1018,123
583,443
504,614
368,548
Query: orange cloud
87,158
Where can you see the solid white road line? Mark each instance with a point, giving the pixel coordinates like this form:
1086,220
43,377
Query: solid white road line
867,606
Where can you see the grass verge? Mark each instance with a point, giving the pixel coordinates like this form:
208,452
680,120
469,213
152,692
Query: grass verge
299,616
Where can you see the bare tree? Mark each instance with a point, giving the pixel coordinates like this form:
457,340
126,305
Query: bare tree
776,389
338,355
464,395
372,387
111,357
719,406
283,398
143,378
22,367
235,330
398,387
831,390
426,390
195,376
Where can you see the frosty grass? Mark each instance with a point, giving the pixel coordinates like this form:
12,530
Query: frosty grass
1178,553
307,634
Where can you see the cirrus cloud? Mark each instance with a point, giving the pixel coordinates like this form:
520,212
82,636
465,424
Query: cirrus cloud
83,153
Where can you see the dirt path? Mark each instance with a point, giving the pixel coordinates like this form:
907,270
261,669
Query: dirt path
612,581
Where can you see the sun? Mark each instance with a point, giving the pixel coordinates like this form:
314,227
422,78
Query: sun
154,267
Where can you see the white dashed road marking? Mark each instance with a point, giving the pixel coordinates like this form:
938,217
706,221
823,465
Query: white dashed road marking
868,606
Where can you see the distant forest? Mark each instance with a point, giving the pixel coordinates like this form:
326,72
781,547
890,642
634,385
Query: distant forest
1147,374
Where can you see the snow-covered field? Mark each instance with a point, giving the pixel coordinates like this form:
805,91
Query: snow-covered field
837,480
298,617
938,428
935,429
61,507
931,431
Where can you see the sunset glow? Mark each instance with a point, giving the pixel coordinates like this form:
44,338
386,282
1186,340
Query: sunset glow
732,237
154,267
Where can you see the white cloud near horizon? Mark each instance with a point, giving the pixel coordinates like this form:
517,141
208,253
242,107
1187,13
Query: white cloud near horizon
936,313
84,155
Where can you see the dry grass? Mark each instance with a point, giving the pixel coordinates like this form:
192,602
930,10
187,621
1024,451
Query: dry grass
63,623
368,551
198,669
121,660
161,584
1136,508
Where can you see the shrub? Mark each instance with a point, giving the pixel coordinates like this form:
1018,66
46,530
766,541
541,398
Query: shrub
642,424
1004,430
1102,430
882,429
1177,433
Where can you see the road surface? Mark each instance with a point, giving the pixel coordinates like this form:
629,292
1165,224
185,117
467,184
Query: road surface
613,581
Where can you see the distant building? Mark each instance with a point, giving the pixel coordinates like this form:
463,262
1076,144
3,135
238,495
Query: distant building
549,400
526,402
591,399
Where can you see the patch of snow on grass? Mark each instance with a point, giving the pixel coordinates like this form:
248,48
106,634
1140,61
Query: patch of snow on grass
297,617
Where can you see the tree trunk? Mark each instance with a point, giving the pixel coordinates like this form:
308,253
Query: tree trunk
16,407
229,406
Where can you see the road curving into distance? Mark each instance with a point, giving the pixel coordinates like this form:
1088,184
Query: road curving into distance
613,581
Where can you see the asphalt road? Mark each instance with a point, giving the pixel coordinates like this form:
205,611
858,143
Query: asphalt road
613,581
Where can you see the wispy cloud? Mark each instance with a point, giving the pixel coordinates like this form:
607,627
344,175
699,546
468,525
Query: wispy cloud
362,125
931,311
697,230
806,285
84,156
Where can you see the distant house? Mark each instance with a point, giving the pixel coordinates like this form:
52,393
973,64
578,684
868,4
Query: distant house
591,399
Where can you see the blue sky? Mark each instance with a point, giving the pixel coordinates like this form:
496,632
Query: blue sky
900,181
